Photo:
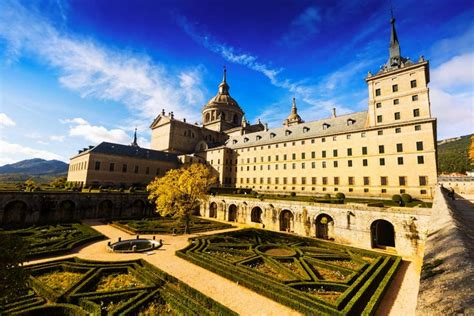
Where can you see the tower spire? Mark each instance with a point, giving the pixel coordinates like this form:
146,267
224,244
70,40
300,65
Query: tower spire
224,79
395,54
224,87
294,110
135,143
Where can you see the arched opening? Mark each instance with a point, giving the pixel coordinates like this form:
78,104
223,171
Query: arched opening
213,210
256,215
65,211
286,221
382,233
105,209
197,210
324,226
235,120
15,212
207,117
138,208
232,213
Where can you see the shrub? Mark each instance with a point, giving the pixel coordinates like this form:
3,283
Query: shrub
293,194
327,196
396,198
340,196
406,198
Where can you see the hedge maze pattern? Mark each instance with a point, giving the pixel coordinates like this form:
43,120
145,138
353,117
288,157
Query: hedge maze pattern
166,225
51,240
78,287
311,276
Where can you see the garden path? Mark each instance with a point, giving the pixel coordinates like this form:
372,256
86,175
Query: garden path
228,293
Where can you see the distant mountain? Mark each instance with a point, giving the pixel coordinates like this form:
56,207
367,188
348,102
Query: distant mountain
453,155
38,169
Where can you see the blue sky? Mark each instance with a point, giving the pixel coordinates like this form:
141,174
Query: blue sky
75,73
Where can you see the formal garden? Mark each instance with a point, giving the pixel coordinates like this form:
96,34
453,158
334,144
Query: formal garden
308,275
53,240
168,225
79,287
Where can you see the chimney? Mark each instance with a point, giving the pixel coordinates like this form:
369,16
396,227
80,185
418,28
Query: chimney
333,112
184,120
266,126
163,112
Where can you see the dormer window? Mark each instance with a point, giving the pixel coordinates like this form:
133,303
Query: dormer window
259,137
272,135
234,141
350,122
287,132
305,129
326,126
246,139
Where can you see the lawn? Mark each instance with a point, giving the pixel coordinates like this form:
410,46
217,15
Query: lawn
308,275
166,225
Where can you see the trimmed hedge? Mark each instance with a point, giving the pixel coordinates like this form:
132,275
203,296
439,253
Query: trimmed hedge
361,277
82,298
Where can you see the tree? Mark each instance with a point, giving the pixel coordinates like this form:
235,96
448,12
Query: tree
30,185
181,191
13,277
59,182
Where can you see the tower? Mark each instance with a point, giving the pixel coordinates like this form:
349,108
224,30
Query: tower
399,91
293,118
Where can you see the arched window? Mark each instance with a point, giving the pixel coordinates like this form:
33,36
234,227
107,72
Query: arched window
287,132
259,137
305,129
350,121
272,135
326,126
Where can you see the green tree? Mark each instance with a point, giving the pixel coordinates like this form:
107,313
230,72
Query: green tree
181,191
59,182
13,277
30,185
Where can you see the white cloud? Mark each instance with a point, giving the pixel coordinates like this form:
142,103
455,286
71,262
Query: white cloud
10,153
57,138
456,72
94,70
81,128
76,120
5,120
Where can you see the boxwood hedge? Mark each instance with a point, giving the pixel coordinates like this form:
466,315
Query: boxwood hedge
311,276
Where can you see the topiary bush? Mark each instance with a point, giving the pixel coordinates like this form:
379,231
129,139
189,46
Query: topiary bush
396,198
293,194
406,198
340,196
327,196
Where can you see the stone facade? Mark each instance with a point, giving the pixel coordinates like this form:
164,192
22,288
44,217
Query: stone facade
26,208
351,224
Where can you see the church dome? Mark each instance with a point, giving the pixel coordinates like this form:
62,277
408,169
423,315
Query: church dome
293,118
223,99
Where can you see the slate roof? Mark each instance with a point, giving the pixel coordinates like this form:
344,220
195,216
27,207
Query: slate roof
311,129
133,152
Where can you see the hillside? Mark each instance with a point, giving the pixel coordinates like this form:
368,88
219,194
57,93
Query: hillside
40,170
453,155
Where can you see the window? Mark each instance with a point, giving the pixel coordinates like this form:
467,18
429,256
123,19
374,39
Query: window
380,132
285,180
398,130
377,92
348,136
269,180
378,105
303,180
302,165
336,180
277,180
349,163
272,135
325,180
124,167
416,112
423,180
396,101
400,160
313,154
383,180
335,164
349,151
365,163
413,83
293,166
414,97
269,158
334,152
323,140
399,148
417,127
112,166
287,132
313,180
313,165
324,164
366,181
379,118
334,138
382,161
419,146
395,88
284,157
362,134
158,171
326,126
402,181
364,150
136,169
293,156
293,180
350,122
303,155
323,154
421,160
305,129
97,165
147,171
381,149
351,180
397,115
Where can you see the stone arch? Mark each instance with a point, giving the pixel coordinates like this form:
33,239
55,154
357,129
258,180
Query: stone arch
207,117
382,234
105,209
256,214
232,214
138,208
213,210
286,221
65,211
324,226
15,212
235,119
201,146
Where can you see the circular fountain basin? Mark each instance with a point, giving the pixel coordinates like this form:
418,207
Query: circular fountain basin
134,245
276,250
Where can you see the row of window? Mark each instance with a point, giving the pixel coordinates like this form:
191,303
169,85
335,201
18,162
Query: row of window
113,167
397,115
366,181
78,166
413,84
324,189
378,105
323,139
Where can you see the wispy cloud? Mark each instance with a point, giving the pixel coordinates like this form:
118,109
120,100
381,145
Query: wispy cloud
79,127
10,152
95,70
5,120
303,27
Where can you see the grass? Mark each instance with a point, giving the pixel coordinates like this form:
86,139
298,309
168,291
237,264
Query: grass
116,281
156,307
60,280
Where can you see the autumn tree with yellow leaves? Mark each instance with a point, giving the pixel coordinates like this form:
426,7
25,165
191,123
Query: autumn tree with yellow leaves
180,191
